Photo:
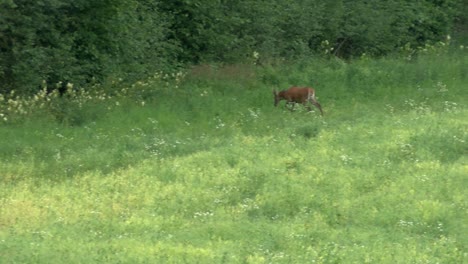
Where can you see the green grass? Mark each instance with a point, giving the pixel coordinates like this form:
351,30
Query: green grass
211,172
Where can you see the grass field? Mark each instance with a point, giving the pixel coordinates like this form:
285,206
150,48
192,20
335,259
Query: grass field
201,168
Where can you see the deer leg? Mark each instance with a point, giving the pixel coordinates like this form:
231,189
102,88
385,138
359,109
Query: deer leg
313,101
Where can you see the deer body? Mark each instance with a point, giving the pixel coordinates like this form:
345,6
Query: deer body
300,95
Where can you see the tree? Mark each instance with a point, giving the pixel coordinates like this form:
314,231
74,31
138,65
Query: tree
79,41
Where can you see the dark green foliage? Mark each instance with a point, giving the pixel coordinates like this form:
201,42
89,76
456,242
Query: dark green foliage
79,42
214,30
46,42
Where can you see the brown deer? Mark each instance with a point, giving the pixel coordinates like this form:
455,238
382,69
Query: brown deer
300,95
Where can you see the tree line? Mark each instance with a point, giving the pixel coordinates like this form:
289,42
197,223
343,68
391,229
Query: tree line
43,43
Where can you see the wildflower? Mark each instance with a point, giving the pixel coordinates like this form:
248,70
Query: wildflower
346,159
69,87
404,223
256,55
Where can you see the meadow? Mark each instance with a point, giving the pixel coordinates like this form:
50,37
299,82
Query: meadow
199,167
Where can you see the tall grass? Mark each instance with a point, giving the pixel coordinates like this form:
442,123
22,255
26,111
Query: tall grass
201,168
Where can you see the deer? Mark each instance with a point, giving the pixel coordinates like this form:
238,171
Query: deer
300,95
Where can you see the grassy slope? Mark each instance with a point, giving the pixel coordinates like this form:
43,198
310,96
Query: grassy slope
212,173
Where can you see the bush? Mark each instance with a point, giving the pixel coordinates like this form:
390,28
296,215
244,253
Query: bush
80,42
